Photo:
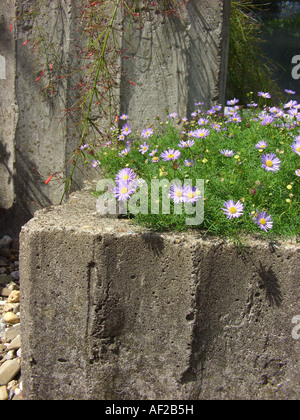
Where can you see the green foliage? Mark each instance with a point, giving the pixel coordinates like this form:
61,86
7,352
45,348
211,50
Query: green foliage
239,177
248,68
290,26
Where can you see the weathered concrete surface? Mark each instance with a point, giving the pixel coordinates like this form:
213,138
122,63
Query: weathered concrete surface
176,61
34,136
8,107
109,311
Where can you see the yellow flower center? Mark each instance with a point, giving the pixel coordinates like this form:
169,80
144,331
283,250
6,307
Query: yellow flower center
262,221
190,195
155,159
179,193
298,149
269,163
125,177
170,156
124,190
232,210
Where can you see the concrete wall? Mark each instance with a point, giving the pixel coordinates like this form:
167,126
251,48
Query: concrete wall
110,311
8,107
178,61
34,134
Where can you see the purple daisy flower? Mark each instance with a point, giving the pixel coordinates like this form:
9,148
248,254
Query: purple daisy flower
235,118
233,101
270,162
293,112
252,105
232,209
124,117
290,92
155,159
265,95
153,152
147,133
297,172
192,194
263,220
126,129
177,193
124,152
290,104
170,154
261,145
227,153
296,146
121,137
124,190
211,111
203,121
189,162
143,148
95,163
188,143
216,127
173,115
125,175
201,133
267,120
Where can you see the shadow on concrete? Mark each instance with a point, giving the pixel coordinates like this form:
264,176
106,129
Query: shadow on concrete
31,197
31,194
268,279
269,282
4,158
154,242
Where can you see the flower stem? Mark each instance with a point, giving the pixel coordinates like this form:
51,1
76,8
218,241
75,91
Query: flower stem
92,93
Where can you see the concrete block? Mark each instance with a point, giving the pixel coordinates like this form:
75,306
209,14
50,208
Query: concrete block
112,311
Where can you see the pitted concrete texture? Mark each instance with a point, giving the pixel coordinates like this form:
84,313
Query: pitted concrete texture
111,311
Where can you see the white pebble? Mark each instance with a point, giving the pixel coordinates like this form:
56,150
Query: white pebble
10,355
17,391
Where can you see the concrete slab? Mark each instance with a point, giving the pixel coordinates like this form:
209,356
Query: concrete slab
111,311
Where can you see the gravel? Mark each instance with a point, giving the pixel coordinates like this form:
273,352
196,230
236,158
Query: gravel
10,338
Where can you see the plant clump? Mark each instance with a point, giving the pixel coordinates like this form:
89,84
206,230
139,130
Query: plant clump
247,158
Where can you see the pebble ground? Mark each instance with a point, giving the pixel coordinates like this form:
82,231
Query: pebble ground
10,339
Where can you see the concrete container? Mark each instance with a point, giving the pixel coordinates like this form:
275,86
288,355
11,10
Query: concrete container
111,311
